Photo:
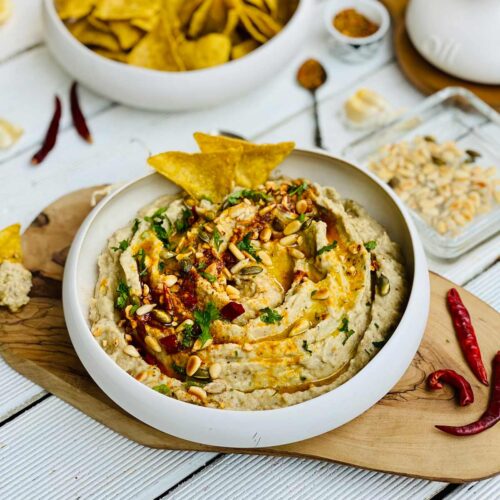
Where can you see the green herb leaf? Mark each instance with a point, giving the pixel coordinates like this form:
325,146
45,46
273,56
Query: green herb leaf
379,344
371,245
180,370
209,277
184,222
123,245
133,309
246,245
235,198
344,328
302,217
298,190
188,337
162,389
135,226
204,318
140,257
123,291
327,248
270,316
305,346
217,238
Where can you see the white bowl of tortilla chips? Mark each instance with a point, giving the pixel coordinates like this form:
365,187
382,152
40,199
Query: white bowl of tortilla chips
198,409
170,60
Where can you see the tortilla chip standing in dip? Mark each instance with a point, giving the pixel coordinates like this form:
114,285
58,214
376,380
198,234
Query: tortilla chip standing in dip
244,292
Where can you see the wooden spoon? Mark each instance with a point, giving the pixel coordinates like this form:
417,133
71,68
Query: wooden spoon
312,76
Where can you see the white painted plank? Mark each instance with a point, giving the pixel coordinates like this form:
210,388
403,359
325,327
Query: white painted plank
54,451
241,477
481,490
487,286
23,30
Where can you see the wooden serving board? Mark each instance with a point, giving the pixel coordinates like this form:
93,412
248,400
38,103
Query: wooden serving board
422,74
396,435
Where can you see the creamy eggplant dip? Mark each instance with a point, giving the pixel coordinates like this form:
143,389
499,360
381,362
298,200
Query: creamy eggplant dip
273,297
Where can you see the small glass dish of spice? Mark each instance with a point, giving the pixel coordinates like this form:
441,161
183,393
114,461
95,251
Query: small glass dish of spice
357,28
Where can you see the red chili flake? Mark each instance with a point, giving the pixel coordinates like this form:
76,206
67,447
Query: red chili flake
50,137
465,395
187,292
466,335
232,310
78,119
150,359
170,344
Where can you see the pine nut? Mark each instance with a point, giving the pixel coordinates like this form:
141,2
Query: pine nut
301,206
198,392
296,254
131,351
289,240
302,326
266,210
236,251
232,291
265,234
152,343
141,376
192,366
212,269
215,370
182,326
170,280
239,266
292,227
198,346
145,309
265,258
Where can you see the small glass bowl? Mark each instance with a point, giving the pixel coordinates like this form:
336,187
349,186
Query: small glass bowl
357,49
452,114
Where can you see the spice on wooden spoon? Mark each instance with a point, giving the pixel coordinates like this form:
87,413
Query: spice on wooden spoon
311,76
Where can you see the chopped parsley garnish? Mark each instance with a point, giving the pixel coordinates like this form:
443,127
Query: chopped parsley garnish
327,248
344,328
180,370
140,257
133,309
217,238
298,190
123,293
135,226
305,346
162,389
246,245
302,217
235,198
188,336
209,277
157,221
184,222
371,245
123,245
376,325
203,319
379,344
270,316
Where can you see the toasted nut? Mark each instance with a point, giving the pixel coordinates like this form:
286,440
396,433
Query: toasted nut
321,294
198,392
184,324
265,234
296,254
236,251
131,351
162,316
292,227
265,258
232,291
170,280
301,206
239,266
152,343
192,365
128,337
215,370
198,346
104,343
166,254
247,347
212,269
227,273
289,240
145,289
141,376
265,210
383,285
182,256
145,309
302,326
251,270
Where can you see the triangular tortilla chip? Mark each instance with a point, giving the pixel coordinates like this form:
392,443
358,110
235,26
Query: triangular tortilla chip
73,9
202,175
209,50
127,35
116,10
257,160
10,244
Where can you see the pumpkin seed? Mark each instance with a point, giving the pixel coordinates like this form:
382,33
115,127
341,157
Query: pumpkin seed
203,235
161,316
251,270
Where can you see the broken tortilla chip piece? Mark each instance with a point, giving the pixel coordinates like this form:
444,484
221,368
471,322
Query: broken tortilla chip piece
73,9
127,35
10,244
145,24
84,32
257,160
202,175
116,10
209,50
243,48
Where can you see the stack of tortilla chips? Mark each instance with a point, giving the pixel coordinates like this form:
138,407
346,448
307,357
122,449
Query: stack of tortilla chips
174,35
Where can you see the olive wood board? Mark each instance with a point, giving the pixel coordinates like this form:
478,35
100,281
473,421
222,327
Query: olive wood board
397,435
422,74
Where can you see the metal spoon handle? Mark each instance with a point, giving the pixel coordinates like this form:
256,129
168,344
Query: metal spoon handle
318,140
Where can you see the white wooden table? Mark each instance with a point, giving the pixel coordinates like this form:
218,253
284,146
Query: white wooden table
50,450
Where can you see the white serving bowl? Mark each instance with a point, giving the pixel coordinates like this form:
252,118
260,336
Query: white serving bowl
249,429
174,91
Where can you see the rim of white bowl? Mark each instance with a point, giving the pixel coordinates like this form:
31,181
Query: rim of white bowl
57,21
335,7
420,284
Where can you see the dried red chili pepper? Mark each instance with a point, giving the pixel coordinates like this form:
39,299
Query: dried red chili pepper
51,135
466,335
492,414
76,112
465,395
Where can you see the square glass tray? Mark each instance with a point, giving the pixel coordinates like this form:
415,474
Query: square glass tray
453,114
